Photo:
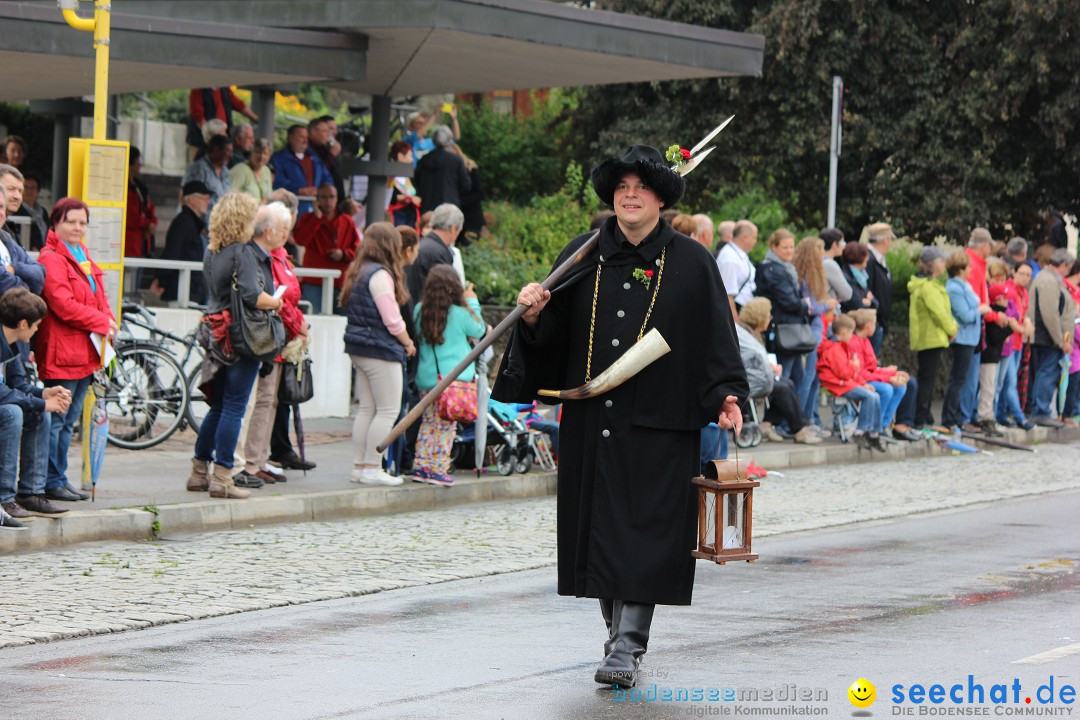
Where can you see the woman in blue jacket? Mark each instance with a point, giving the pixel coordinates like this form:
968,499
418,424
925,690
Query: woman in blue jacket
968,314
447,316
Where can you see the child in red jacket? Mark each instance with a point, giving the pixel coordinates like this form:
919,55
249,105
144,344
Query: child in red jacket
893,386
840,372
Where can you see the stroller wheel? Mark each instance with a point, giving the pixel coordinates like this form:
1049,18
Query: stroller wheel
750,436
504,463
524,463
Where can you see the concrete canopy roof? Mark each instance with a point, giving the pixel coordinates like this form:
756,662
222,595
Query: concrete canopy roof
418,47
43,57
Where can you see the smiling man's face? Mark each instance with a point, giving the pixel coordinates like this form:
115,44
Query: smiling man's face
636,205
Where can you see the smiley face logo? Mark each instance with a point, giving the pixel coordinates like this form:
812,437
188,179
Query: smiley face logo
862,693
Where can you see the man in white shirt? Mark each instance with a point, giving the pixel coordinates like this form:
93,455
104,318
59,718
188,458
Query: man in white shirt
736,269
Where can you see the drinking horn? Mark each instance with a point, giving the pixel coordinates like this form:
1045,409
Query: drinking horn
642,354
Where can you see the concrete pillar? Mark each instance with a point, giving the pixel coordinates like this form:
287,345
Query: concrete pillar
65,127
262,102
380,154
112,115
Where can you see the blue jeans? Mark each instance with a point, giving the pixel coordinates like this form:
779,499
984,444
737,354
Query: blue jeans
221,426
1045,375
711,437
60,428
1008,396
810,388
969,398
890,400
1072,396
793,370
869,408
24,449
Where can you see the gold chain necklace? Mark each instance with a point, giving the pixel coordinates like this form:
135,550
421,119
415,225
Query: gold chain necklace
596,294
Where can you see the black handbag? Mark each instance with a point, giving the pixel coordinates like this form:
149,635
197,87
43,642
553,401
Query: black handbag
296,386
258,334
795,338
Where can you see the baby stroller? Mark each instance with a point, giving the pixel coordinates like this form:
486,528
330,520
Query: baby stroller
508,445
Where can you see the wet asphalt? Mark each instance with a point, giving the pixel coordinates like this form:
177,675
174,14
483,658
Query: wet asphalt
926,599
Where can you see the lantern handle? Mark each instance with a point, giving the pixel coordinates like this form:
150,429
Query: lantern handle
719,443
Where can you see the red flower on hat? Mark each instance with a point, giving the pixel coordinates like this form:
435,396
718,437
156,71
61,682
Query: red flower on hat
685,153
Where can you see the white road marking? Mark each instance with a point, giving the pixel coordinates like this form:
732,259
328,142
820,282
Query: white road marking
1050,655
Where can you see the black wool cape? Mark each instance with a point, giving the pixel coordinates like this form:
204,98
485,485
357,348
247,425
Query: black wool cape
627,512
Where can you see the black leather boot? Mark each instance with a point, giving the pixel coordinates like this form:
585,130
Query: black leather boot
607,607
629,640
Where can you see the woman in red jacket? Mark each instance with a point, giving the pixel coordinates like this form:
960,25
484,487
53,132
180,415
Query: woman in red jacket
75,293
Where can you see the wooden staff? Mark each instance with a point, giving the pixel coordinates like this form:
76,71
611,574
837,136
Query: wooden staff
508,322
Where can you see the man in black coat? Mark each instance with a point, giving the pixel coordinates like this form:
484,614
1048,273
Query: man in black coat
185,241
440,175
627,517
879,281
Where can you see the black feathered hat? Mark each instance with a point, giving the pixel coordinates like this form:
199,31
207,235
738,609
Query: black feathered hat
649,164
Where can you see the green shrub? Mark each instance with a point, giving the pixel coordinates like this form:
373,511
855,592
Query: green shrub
903,262
526,240
519,156
754,203
497,273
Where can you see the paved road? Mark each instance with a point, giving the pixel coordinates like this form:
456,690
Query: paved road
109,587
925,599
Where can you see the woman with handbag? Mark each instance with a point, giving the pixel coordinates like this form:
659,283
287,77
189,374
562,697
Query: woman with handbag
272,225
376,339
448,315
778,280
243,332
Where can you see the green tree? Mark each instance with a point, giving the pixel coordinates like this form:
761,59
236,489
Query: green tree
955,114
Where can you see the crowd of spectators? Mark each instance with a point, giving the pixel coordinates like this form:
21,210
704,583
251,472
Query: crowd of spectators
811,316
1008,353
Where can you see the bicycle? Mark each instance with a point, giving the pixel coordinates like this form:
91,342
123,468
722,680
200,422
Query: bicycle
151,393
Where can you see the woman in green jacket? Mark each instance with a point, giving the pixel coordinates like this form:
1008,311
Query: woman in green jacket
931,324
447,317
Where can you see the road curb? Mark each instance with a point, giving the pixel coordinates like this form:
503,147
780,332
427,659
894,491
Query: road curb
149,522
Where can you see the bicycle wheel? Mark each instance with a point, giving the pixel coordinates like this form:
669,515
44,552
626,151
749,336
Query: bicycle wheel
146,397
196,408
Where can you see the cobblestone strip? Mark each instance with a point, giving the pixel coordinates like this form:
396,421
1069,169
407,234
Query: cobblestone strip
111,587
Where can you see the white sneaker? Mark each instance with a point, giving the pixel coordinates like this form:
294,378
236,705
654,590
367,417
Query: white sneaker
273,470
374,476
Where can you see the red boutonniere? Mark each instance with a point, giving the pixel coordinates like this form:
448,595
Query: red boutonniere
643,276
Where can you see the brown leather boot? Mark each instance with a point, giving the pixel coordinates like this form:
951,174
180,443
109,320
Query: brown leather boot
198,480
221,484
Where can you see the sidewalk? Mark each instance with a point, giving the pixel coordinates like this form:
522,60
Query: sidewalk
142,495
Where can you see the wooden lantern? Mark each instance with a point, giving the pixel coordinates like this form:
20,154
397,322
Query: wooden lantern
725,510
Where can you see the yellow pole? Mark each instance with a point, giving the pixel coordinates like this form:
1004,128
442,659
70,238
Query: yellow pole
100,26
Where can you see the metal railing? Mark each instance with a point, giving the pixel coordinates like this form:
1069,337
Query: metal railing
185,268
24,230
